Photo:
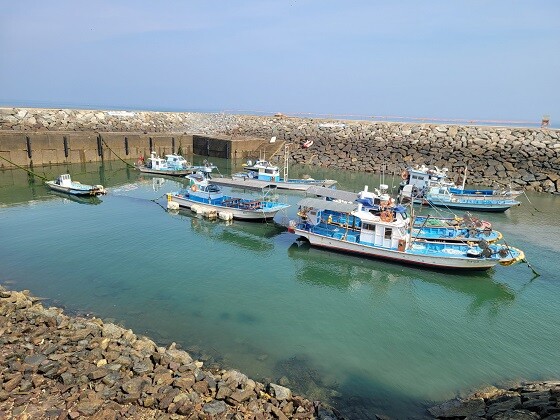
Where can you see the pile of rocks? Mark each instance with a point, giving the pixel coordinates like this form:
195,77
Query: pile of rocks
524,157
56,366
536,400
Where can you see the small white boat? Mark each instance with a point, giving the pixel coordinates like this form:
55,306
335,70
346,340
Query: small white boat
386,233
255,166
269,175
203,195
65,184
172,165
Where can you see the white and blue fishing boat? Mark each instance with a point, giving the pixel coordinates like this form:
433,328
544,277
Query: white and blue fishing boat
203,195
386,233
435,228
432,186
478,200
65,184
171,165
267,174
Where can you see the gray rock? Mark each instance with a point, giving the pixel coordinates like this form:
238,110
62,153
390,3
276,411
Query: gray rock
280,392
459,408
214,408
516,415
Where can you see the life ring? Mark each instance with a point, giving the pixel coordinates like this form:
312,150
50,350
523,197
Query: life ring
194,188
386,216
404,175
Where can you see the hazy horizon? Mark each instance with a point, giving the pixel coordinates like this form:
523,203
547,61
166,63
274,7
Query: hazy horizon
434,60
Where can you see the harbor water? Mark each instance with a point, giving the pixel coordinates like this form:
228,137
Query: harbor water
364,335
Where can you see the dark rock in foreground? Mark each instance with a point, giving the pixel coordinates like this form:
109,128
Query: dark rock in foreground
537,400
61,367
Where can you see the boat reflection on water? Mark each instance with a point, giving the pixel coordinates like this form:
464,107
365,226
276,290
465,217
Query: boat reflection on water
248,235
92,199
345,271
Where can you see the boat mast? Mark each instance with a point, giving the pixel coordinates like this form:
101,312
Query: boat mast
286,157
464,177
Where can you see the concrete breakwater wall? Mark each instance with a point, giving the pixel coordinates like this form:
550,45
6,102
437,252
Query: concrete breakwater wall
523,157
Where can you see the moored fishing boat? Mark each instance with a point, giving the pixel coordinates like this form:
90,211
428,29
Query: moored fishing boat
65,184
204,195
432,186
268,174
478,200
256,165
435,228
385,233
171,165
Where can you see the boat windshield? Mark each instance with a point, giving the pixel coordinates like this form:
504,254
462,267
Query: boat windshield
213,188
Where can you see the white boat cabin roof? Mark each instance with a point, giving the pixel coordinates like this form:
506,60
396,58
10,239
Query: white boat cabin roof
332,193
322,204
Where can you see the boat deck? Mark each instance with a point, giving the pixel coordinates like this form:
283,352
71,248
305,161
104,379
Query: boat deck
255,184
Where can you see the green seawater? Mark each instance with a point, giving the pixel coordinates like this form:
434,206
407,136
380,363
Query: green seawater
367,336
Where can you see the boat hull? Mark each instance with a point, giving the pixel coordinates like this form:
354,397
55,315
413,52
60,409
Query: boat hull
257,184
487,207
240,214
168,172
393,255
92,191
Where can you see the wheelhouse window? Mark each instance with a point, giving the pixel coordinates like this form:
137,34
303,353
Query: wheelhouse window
368,226
388,233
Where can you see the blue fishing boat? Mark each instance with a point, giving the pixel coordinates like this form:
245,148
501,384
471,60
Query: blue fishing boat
478,200
65,184
203,196
432,186
385,232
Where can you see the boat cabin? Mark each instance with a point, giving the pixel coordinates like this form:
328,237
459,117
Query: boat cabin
64,180
170,163
423,177
268,173
176,162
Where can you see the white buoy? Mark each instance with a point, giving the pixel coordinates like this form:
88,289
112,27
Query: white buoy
172,205
225,215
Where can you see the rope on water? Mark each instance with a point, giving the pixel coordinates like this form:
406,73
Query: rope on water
532,269
25,169
525,194
112,151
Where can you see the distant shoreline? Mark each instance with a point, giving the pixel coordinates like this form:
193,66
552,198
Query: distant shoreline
316,115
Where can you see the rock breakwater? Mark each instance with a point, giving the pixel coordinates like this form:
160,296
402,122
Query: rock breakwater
526,158
56,366
530,401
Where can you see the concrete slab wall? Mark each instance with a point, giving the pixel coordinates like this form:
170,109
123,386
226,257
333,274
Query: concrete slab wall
58,147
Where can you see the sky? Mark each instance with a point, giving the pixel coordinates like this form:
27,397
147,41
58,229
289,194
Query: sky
437,59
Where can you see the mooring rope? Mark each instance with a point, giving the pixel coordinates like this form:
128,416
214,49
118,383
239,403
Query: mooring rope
25,169
112,151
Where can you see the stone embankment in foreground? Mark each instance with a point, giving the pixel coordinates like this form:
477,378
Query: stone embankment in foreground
60,367
526,158
531,401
